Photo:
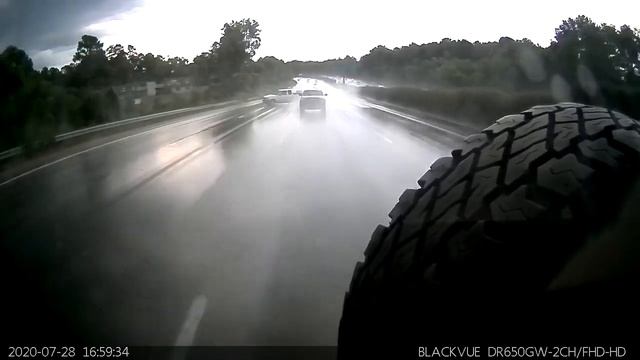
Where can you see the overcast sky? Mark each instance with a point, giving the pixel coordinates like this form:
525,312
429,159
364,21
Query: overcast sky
299,29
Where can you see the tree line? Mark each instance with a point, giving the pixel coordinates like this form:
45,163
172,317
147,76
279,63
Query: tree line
585,61
35,105
95,66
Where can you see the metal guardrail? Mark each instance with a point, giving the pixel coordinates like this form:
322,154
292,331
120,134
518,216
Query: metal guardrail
88,130
10,153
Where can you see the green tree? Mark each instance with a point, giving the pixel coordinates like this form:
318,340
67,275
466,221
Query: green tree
26,103
628,54
121,69
16,71
52,75
201,68
154,67
135,59
15,68
581,46
88,45
177,66
236,47
90,65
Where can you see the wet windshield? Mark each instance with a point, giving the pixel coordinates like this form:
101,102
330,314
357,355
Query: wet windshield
210,173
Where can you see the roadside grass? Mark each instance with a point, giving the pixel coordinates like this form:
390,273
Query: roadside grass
478,107
481,106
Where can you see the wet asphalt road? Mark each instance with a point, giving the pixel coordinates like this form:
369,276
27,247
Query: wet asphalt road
222,228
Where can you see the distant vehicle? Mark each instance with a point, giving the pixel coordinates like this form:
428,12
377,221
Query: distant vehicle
313,100
283,96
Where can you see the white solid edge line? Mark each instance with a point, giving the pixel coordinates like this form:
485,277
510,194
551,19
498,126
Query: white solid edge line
411,118
78,153
10,180
192,321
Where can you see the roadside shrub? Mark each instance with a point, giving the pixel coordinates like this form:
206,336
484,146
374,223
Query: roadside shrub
481,106
624,99
477,106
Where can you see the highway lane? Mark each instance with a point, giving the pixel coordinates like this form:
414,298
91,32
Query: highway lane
237,228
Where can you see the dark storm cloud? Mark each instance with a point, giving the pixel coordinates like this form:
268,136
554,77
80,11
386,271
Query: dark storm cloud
53,25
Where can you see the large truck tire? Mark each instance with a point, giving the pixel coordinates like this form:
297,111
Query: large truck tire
484,238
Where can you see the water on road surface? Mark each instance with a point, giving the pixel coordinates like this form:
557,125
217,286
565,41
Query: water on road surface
221,229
